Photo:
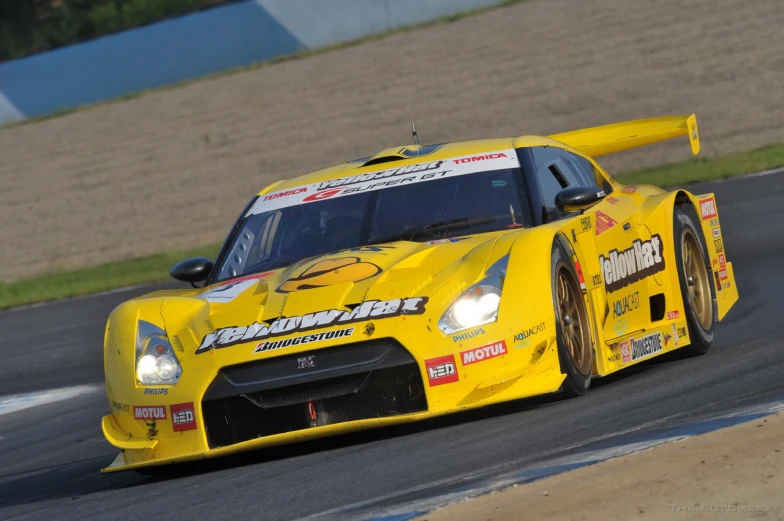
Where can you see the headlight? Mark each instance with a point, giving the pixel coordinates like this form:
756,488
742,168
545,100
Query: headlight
479,304
156,363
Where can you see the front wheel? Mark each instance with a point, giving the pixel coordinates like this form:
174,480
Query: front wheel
696,284
575,350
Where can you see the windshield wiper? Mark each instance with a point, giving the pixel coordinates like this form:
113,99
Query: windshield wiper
432,229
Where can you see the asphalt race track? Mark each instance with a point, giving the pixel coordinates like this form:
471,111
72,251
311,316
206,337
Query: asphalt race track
50,455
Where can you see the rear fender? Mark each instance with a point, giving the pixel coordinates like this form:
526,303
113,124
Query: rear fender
657,214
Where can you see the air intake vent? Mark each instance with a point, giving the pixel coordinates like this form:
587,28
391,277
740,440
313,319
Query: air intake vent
385,159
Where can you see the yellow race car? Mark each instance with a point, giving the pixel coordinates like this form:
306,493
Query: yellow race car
418,282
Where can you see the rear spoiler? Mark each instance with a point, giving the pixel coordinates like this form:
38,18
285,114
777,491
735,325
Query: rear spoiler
608,139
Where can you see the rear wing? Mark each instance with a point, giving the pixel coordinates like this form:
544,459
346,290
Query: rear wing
608,139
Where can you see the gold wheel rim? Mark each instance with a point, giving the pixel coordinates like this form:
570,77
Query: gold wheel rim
573,318
697,282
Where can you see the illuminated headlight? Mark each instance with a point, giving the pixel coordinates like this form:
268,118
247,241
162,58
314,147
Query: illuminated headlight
156,363
477,306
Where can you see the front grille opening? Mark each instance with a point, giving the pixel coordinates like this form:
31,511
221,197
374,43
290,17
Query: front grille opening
375,394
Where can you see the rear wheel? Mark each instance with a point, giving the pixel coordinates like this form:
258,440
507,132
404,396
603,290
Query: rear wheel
696,284
575,350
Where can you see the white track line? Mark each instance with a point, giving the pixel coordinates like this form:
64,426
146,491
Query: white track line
746,176
17,402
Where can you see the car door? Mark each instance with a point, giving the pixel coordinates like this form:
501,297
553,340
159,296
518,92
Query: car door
628,307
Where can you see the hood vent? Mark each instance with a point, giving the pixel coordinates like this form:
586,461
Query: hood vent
384,159
399,153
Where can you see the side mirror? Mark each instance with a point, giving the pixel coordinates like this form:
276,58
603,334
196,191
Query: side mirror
192,270
578,198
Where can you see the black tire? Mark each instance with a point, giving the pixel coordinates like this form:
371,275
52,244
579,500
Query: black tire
700,331
577,381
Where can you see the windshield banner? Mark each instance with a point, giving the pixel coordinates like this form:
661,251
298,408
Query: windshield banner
389,178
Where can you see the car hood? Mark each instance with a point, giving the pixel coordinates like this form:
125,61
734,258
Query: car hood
345,287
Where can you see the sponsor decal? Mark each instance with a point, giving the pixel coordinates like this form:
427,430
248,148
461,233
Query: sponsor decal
468,334
526,333
478,158
152,429
441,370
383,175
156,390
620,325
452,239
285,193
483,353
682,332
723,275
675,335
522,345
229,291
597,279
626,304
616,357
300,340
305,362
667,338
708,208
375,309
612,200
370,328
183,417
622,306
722,261
321,195
673,315
579,271
120,407
156,412
718,245
716,233
714,223
388,178
330,272
642,259
626,351
604,222
585,224
629,189
646,346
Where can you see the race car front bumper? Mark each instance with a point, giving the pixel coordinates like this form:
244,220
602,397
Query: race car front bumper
310,395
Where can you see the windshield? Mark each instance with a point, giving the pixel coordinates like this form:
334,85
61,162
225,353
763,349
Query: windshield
449,206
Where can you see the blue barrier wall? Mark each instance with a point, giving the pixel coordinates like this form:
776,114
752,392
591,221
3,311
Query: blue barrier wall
199,44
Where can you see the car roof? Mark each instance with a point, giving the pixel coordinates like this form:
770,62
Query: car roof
410,154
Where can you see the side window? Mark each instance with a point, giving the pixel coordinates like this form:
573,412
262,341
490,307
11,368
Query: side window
592,176
557,169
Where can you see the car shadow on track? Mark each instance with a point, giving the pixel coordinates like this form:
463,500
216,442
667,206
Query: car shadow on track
82,478
70,480
355,439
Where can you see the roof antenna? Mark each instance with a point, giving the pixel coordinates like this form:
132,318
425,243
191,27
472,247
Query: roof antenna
410,112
